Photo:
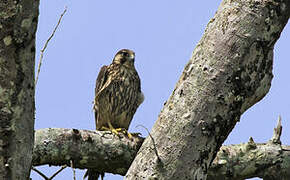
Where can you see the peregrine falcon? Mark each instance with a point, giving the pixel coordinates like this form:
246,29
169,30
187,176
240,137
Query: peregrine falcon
117,93
117,97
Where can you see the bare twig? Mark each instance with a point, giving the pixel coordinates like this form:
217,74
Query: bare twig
45,45
155,148
40,173
48,178
57,172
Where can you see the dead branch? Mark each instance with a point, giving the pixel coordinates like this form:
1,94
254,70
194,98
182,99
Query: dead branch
45,45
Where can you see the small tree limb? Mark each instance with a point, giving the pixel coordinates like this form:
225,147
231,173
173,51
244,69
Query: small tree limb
51,177
40,173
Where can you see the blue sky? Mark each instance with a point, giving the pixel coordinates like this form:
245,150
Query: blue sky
163,35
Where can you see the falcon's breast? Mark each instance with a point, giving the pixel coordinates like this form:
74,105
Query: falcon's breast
118,94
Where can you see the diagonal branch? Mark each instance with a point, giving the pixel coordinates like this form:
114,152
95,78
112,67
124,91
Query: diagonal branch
230,70
51,177
40,173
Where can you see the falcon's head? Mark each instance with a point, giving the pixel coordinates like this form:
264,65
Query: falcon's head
125,57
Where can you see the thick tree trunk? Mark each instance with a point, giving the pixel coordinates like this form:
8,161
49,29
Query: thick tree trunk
18,22
229,71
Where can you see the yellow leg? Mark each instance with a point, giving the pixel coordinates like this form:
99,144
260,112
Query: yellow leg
112,129
126,132
129,135
119,130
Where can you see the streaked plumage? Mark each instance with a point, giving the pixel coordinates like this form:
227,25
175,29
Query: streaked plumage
118,92
117,96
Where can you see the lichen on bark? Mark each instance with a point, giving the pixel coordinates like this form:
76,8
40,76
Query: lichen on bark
100,150
17,51
106,152
229,71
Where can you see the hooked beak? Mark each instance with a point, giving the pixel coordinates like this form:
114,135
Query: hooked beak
132,57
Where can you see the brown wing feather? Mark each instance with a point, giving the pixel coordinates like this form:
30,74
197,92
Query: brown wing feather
101,80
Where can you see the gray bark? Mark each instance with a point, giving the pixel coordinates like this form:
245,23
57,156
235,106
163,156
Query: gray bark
229,71
249,160
108,153
87,149
18,22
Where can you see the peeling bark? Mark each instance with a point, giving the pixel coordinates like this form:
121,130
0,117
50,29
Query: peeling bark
18,22
230,70
108,153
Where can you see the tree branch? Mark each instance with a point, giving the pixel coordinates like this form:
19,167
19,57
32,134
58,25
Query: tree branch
51,177
108,153
87,149
243,161
230,70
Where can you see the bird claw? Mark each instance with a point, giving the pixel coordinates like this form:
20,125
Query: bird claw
112,130
116,131
120,130
130,135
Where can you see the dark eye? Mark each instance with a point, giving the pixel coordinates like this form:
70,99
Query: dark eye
125,54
